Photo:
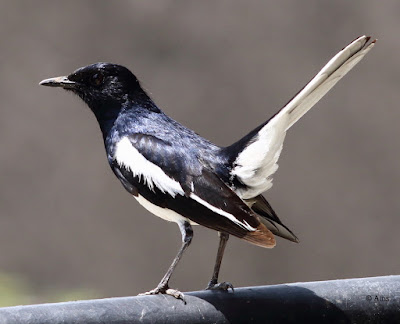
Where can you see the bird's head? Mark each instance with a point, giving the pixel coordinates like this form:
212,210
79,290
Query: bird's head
103,86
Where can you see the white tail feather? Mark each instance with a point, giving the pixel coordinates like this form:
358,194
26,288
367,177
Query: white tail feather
330,74
255,165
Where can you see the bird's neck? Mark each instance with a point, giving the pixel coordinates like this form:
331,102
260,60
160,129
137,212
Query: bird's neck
106,116
108,113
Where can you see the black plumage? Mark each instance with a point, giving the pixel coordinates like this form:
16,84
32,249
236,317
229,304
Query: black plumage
182,177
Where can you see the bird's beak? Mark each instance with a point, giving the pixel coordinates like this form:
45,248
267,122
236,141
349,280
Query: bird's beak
61,81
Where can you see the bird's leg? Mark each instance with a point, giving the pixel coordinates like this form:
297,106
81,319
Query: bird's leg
213,284
162,287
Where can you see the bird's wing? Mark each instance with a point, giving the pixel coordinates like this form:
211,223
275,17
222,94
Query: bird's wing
229,213
168,178
254,157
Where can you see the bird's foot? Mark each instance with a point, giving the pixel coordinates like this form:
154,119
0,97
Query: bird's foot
224,286
165,290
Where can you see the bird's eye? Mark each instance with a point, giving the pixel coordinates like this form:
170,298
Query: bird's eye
97,79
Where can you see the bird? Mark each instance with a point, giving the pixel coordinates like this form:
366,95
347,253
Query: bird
184,178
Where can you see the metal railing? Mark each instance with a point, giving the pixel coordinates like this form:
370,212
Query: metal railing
364,300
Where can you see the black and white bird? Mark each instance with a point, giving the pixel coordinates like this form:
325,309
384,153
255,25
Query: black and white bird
181,177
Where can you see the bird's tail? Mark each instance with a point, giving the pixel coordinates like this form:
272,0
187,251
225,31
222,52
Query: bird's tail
330,74
254,158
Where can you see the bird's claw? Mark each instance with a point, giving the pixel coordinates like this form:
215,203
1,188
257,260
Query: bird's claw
224,286
175,293
165,291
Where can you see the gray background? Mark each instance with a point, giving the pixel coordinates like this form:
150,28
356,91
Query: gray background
221,68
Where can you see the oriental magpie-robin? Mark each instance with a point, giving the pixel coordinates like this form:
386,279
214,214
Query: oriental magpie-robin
181,177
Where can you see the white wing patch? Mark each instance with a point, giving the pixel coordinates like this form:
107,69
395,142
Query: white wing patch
153,176
258,161
221,212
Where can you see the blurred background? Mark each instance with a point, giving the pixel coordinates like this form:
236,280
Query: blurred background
69,230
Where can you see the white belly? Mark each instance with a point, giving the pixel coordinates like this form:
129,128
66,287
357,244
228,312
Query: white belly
164,213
